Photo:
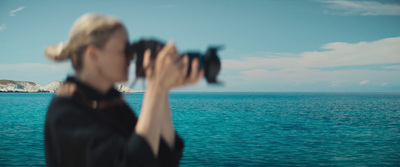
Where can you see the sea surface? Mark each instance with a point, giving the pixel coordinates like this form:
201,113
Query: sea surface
242,129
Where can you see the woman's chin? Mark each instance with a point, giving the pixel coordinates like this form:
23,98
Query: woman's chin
124,79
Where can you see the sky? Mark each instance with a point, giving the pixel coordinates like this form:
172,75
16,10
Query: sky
269,45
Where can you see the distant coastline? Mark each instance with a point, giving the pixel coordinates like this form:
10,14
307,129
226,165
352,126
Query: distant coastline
1,91
10,86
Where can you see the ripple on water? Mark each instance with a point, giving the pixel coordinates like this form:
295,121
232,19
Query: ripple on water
243,129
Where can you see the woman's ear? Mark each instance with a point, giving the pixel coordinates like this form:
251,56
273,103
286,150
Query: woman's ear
92,53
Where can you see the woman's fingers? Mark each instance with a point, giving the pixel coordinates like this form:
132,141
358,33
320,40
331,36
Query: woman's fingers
147,63
195,67
146,57
166,51
200,75
185,67
185,64
196,74
170,69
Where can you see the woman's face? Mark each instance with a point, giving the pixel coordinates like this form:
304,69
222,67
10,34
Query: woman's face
113,63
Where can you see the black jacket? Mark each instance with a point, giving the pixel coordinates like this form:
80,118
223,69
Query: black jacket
78,134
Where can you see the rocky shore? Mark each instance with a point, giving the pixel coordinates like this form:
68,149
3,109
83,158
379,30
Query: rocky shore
9,86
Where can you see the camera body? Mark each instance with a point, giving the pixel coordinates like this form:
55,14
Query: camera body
209,61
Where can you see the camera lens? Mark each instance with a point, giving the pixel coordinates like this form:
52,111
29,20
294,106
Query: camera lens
209,61
212,65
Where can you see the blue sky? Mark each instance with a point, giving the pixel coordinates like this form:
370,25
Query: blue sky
270,45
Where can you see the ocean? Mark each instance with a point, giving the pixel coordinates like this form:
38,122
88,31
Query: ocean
242,129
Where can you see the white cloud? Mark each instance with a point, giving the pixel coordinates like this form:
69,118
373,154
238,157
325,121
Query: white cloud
303,68
339,84
364,8
394,67
385,51
12,13
384,84
277,55
311,79
166,6
364,82
3,27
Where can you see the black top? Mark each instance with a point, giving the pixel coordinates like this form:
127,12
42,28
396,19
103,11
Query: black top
78,134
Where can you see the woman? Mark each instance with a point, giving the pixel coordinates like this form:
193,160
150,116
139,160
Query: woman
89,124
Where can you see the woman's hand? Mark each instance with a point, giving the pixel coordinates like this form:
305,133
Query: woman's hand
195,74
169,70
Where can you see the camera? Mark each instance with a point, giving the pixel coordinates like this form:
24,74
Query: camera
209,61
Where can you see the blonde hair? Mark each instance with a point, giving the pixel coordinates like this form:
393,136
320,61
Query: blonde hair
89,29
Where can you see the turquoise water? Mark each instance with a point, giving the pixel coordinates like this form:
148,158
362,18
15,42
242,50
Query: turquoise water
243,129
